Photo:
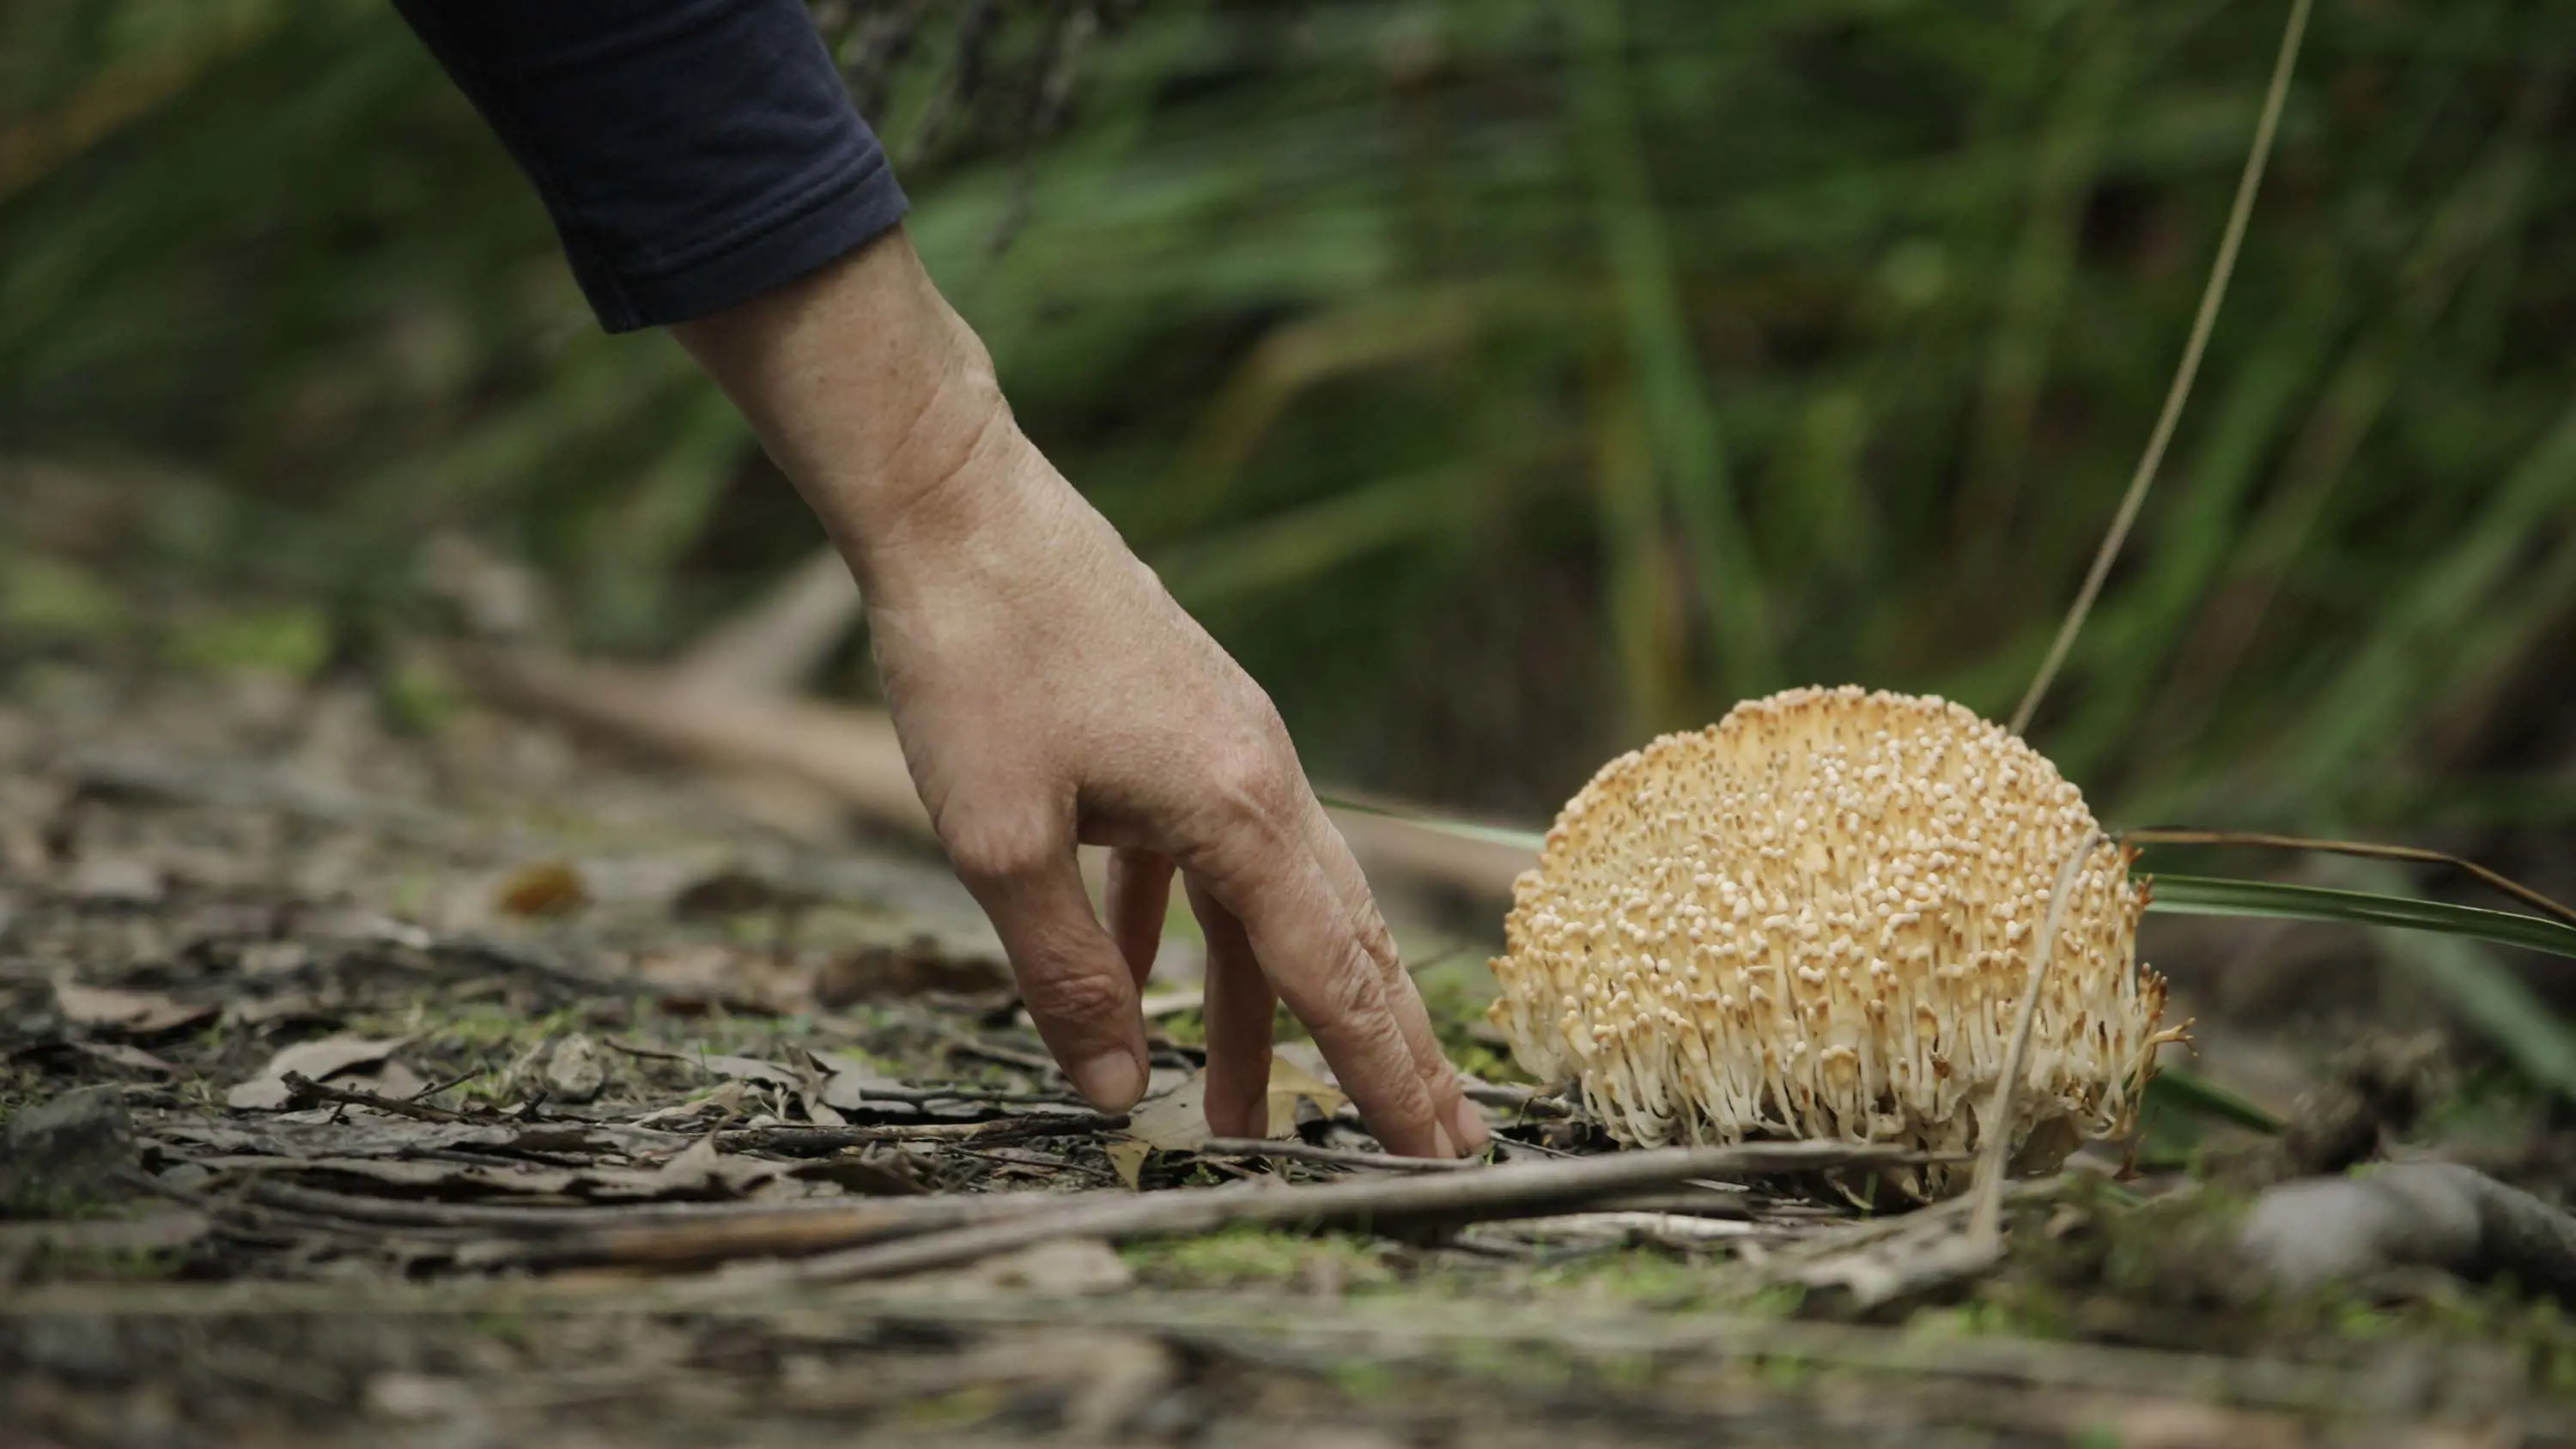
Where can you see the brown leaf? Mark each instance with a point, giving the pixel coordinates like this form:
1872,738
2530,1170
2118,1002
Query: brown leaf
545,888
701,1170
319,1060
736,893
391,1080
917,967
1127,1159
1288,1082
1159,1004
750,1069
120,1054
1173,1121
133,1013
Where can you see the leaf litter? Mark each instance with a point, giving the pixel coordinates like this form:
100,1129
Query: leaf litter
748,1133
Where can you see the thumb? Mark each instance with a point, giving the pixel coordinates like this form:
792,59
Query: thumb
1072,978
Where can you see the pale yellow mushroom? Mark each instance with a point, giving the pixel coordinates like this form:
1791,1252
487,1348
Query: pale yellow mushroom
1813,920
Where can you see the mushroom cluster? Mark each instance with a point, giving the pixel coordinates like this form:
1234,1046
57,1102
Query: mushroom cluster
1814,920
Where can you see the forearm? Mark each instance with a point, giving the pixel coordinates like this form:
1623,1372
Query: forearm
877,401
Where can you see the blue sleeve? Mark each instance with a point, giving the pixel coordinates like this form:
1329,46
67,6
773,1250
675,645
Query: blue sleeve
693,153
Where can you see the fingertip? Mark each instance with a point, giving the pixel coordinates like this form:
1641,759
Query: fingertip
1112,1081
1240,1113
1467,1126
1442,1145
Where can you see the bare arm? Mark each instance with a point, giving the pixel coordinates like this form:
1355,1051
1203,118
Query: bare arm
1048,692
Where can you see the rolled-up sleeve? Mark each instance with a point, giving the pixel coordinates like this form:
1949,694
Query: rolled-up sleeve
693,153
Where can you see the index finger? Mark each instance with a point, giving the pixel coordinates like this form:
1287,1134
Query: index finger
1319,957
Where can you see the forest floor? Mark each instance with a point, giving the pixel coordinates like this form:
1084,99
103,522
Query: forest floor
458,1083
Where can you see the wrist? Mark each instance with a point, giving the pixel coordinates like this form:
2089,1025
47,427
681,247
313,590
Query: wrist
878,402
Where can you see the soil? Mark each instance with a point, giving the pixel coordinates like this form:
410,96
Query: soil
564,1028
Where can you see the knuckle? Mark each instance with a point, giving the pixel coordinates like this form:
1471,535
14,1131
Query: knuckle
1378,943
1246,785
997,852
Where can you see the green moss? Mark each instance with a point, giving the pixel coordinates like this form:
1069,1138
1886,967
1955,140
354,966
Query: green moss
1252,1257
51,601
110,1265
956,1409
1642,1277
1362,1380
294,641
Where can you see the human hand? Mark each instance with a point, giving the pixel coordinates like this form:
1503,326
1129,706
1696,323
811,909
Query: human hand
1048,691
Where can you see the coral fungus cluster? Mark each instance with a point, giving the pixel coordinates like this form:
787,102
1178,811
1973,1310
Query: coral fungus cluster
1815,919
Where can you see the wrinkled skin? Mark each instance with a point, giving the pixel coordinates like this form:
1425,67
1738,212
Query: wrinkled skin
1049,692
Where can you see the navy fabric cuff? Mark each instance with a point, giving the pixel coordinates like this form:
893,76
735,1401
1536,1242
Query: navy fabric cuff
693,153
839,221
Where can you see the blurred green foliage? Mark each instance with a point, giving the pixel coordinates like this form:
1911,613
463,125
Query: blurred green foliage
1502,380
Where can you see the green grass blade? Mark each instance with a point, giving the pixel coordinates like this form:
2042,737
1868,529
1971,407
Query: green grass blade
2188,1091
2187,895
2192,895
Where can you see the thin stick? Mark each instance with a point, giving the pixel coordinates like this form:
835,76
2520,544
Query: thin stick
1528,1189
810,1140
306,1088
1329,1156
2183,835
1986,1214
2215,292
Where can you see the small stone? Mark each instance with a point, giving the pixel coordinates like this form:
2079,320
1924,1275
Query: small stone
574,1072
116,880
66,1152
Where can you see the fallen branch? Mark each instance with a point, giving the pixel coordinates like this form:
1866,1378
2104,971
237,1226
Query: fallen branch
853,756
814,1141
305,1091
2440,1215
1533,1189
1328,1156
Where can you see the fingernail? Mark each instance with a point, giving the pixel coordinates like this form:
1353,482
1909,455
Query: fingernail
1470,1123
1441,1142
1111,1081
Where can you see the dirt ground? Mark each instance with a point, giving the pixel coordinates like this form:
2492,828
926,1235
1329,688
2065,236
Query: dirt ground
460,1083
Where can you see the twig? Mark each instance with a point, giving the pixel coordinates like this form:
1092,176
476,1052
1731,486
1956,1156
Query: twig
307,1089
1527,1101
1516,1190
451,1084
772,1234
1985,1232
2249,183
976,1046
1329,1156
2264,840
853,755
806,1141
1910,1254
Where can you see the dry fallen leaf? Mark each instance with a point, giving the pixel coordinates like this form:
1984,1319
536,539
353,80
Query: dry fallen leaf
1159,1004
134,1013
1127,1159
1173,1121
318,1060
750,1069
1288,1082
391,1080
123,1055
545,888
